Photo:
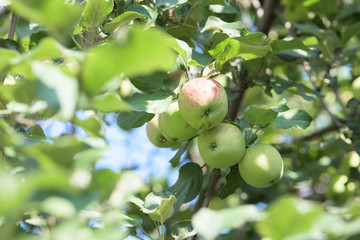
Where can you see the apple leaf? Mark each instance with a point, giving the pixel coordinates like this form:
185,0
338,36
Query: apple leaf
128,120
182,230
281,85
149,83
168,3
281,106
35,132
156,103
353,102
260,116
233,182
95,12
176,158
279,45
209,223
294,117
188,184
233,29
132,220
139,9
159,206
122,20
109,102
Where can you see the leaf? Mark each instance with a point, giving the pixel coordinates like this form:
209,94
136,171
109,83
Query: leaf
256,116
353,102
91,125
35,132
182,230
350,31
281,107
175,80
176,158
214,23
168,3
129,120
188,184
282,215
132,220
5,56
210,223
233,182
95,12
149,83
139,9
279,45
294,117
50,14
281,85
159,206
10,44
156,103
144,53
58,89
109,102
121,20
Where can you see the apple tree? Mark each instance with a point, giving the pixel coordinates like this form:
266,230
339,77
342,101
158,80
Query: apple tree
258,99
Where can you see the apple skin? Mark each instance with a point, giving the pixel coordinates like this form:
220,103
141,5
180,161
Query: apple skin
261,166
173,126
155,136
203,103
222,146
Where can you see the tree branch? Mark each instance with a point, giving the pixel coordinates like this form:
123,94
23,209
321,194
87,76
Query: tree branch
14,18
317,134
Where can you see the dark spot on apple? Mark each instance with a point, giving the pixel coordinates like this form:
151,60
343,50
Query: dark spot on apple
207,112
272,181
174,139
212,146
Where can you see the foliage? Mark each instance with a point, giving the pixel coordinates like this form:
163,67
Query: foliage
294,84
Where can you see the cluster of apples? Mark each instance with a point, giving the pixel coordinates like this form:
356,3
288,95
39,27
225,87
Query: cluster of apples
200,108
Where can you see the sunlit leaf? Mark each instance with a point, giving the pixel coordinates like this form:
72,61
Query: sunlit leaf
257,116
294,117
151,103
182,230
95,12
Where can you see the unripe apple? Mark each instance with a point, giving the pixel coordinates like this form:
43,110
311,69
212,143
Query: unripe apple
173,126
155,136
203,103
261,166
222,146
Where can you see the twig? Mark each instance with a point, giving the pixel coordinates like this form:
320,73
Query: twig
317,134
14,18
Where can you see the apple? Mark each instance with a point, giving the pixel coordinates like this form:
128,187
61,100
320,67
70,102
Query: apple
261,166
222,146
203,103
173,126
155,136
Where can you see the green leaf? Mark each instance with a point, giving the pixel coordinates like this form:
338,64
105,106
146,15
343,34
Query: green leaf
10,44
58,89
95,12
353,102
132,220
281,106
129,120
91,125
233,182
281,85
182,230
279,45
157,102
294,117
168,3
5,56
350,31
257,116
282,215
175,80
122,20
149,83
233,29
139,9
58,207
210,223
234,48
35,132
143,48
176,158
188,184
59,17
109,102
159,206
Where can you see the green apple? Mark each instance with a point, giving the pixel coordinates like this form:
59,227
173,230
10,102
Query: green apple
203,103
222,146
173,126
155,136
261,166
